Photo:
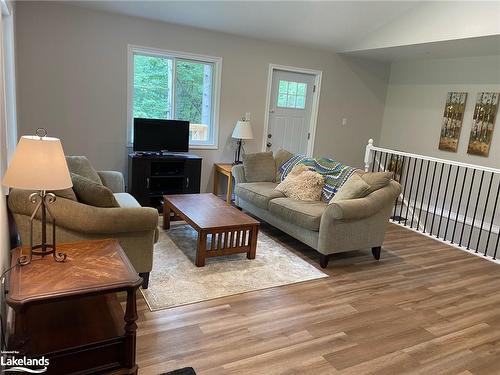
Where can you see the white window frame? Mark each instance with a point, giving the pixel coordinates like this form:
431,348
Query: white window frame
217,74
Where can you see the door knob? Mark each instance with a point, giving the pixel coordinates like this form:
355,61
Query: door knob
269,144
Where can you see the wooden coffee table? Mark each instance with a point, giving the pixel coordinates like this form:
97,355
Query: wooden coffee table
222,229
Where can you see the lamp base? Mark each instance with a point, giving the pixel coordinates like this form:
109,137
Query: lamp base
42,199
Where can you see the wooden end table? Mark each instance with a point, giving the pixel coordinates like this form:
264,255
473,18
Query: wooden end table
222,229
69,311
224,169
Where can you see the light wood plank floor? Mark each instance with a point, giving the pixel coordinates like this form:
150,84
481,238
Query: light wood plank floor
424,308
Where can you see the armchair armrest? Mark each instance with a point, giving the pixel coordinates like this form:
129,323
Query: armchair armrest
353,209
87,219
113,180
238,173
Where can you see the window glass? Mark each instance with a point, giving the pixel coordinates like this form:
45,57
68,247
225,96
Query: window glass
292,94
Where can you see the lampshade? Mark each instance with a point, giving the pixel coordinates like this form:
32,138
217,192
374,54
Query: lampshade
38,164
243,130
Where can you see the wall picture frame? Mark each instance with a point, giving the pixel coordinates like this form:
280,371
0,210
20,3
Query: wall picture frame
451,125
483,123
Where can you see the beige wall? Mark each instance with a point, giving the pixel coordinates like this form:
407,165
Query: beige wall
72,79
415,103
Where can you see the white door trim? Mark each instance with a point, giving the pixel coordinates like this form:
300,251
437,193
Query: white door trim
314,107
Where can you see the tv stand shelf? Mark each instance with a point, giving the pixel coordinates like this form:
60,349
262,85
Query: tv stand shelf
150,176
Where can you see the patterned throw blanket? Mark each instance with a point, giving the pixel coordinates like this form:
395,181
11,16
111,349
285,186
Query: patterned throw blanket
334,172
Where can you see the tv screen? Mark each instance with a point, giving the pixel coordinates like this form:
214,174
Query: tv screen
161,135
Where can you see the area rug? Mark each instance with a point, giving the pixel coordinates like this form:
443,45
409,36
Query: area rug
175,280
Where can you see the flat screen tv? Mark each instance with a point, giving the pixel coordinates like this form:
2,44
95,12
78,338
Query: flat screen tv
161,135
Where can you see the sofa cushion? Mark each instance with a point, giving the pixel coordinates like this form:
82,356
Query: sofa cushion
257,193
92,193
80,165
280,157
355,187
302,184
259,167
305,214
125,200
377,180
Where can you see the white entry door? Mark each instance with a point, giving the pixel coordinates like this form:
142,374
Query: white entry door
290,111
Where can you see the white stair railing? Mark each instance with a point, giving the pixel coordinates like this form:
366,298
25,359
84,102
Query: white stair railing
454,202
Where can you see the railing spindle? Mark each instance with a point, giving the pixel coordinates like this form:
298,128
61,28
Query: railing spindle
459,205
416,195
484,215
451,204
374,159
437,197
475,210
444,200
430,196
467,207
409,194
404,189
493,219
423,195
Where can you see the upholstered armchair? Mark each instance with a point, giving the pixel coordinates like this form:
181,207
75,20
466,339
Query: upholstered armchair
135,227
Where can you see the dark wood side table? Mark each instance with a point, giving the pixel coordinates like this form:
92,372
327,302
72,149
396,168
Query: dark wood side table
69,311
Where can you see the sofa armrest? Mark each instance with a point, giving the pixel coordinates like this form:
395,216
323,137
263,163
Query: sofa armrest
83,218
238,173
113,180
352,209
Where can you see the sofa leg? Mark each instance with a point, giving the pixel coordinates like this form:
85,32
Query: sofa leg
376,252
323,260
145,279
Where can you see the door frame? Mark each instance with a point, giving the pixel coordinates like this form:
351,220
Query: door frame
314,105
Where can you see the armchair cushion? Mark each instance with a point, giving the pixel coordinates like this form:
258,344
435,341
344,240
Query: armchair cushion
81,165
259,167
92,193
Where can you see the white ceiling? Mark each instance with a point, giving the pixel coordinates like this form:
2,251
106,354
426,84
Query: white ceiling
333,25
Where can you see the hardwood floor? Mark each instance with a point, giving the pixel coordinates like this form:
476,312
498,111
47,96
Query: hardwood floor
424,308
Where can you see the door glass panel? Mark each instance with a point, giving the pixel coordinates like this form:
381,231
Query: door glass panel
291,95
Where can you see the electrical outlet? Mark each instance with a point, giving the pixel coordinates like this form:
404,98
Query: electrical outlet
344,122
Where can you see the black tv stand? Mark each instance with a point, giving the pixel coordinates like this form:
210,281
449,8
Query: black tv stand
154,174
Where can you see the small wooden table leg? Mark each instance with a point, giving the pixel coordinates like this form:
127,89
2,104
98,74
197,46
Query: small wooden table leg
229,194
130,329
216,181
201,249
166,216
253,242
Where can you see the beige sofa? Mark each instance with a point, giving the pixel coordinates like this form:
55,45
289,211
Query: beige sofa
135,227
328,228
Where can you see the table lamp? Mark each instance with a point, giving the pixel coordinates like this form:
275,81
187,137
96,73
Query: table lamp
242,130
39,164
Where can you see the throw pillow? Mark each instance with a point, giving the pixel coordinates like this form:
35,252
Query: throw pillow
92,193
377,180
302,184
280,157
355,187
259,167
